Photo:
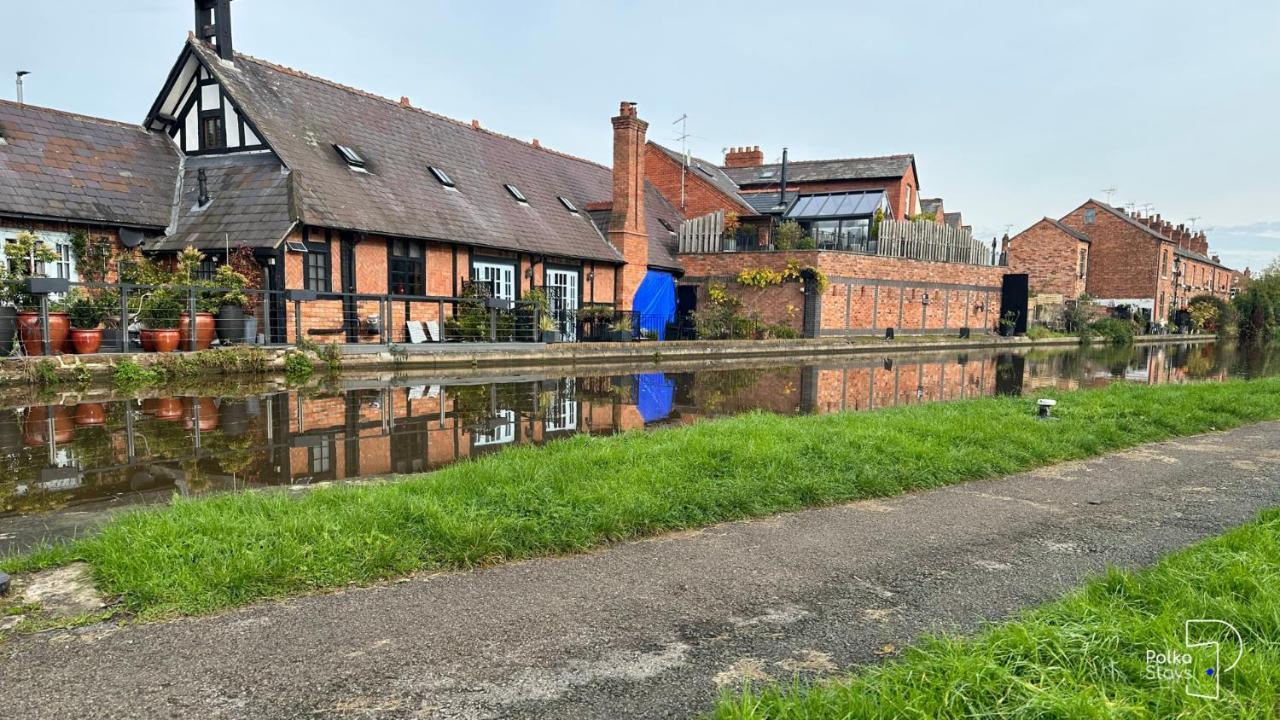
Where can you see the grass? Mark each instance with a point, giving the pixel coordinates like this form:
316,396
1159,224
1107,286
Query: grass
1085,656
198,556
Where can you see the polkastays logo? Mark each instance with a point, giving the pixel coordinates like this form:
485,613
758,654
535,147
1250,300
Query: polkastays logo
1200,665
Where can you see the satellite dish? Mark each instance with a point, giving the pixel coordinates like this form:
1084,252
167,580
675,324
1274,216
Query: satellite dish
131,238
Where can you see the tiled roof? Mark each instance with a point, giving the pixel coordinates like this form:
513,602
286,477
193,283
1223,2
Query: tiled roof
709,172
1153,232
766,203
1200,258
58,165
889,166
930,205
662,242
249,203
953,219
301,118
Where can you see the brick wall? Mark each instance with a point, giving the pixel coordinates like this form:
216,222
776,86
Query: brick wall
868,293
701,197
1051,259
1124,260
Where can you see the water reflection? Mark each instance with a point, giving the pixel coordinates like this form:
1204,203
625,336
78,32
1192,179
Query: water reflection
95,455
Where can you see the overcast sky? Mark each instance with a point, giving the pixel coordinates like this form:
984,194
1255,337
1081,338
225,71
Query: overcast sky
1015,110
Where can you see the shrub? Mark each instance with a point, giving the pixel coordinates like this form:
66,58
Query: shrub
297,367
1116,331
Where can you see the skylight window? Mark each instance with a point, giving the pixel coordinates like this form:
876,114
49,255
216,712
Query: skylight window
568,204
350,156
670,228
442,176
766,174
515,193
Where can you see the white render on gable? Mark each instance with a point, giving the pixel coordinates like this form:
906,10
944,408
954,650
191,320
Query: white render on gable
204,118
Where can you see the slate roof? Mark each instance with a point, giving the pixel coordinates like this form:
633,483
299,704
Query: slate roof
58,165
1068,230
709,172
766,203
1153,232
301,117
889,166
953,219
249,200
1200,258
662,242
930,205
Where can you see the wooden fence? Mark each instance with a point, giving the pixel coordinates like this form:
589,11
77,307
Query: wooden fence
702,234
933,242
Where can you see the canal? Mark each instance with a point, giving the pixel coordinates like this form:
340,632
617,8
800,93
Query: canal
64,467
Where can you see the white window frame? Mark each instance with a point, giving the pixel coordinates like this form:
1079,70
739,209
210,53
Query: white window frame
500,435
500,276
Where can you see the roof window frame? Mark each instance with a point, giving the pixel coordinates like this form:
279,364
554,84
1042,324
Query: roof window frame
442,177
568,204
353,159
514,192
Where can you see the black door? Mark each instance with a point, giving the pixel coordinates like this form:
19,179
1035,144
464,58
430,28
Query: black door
1013,304
278,332
350,321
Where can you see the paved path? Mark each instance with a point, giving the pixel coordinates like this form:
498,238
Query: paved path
648,629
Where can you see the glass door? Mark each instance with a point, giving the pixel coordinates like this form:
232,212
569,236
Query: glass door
562,297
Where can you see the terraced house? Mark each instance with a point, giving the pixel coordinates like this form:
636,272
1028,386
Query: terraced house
348,195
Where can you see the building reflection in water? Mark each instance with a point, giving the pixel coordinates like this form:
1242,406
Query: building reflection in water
138,451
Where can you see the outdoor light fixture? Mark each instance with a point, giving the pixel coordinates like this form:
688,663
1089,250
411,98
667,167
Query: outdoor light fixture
1044,406
924,300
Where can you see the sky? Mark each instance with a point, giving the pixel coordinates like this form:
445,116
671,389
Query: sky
1014,110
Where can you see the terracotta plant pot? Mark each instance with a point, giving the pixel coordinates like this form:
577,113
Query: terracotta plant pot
208,413
29,330
147,338
90,414
36,432
149,405
86,342
165,341
168,408
205,328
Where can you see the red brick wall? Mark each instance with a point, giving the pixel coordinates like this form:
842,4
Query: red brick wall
869,287
1124,260
1050,257
701,197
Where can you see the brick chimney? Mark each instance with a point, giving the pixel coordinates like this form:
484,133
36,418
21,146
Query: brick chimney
627,229
744,157
213,25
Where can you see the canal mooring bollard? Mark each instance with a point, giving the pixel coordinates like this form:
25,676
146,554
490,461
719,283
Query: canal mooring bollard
1044,407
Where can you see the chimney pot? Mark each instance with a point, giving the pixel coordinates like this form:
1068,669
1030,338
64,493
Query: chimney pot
404,101
536,143
475,124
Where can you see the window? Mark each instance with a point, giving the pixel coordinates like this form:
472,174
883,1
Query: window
1164,264
515,193
408,268
500,277
1090,216
213,134
854,233
207,268
317,268
320,459
62,266
503,431
825,234
442,176
568,204
351,157
1084,261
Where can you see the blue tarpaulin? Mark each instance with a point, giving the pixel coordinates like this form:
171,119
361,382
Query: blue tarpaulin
654,396
655,302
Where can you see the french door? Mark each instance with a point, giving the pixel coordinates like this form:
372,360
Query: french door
562,297
500,277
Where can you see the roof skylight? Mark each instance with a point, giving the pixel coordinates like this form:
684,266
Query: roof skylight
351,157
568,204
442,176
515,193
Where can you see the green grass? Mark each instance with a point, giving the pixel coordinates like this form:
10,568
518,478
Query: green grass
1084,656
197,556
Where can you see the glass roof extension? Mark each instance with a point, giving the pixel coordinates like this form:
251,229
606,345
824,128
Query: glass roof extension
837,205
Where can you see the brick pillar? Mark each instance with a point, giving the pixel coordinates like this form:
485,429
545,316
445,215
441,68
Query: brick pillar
627,229
744,157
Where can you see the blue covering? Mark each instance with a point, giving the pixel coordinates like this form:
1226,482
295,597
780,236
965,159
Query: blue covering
654,396
655,302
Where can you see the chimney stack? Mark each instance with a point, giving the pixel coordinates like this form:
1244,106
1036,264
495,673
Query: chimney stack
404,101
627,227
744,157
213,26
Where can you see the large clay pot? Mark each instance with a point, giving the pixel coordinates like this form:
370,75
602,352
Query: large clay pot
208,413
36,432
90,414
165,341
168,408
29,330
147,338
230,324
86,342
205,326
8,328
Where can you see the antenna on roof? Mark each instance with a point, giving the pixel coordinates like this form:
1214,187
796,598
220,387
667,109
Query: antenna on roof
1109,191
1130,207
1148,208
1193,221
683,121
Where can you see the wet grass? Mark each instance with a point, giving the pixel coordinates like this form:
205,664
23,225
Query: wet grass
197,556
1085,656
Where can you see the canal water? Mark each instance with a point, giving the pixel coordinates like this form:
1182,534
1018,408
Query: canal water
70,461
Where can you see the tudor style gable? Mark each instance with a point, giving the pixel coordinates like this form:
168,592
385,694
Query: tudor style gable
196,111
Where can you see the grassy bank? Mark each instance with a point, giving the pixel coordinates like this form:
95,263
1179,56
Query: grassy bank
1086,656
201,555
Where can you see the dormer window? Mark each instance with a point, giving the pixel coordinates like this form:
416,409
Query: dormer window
351,157
568,204
515,193
442,177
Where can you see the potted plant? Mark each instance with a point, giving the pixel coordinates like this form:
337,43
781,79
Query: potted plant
189,260
160,316
1008,322
550,333
86,323
620,328
28,252
232,303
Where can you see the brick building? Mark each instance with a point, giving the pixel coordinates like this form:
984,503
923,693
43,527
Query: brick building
1054,256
